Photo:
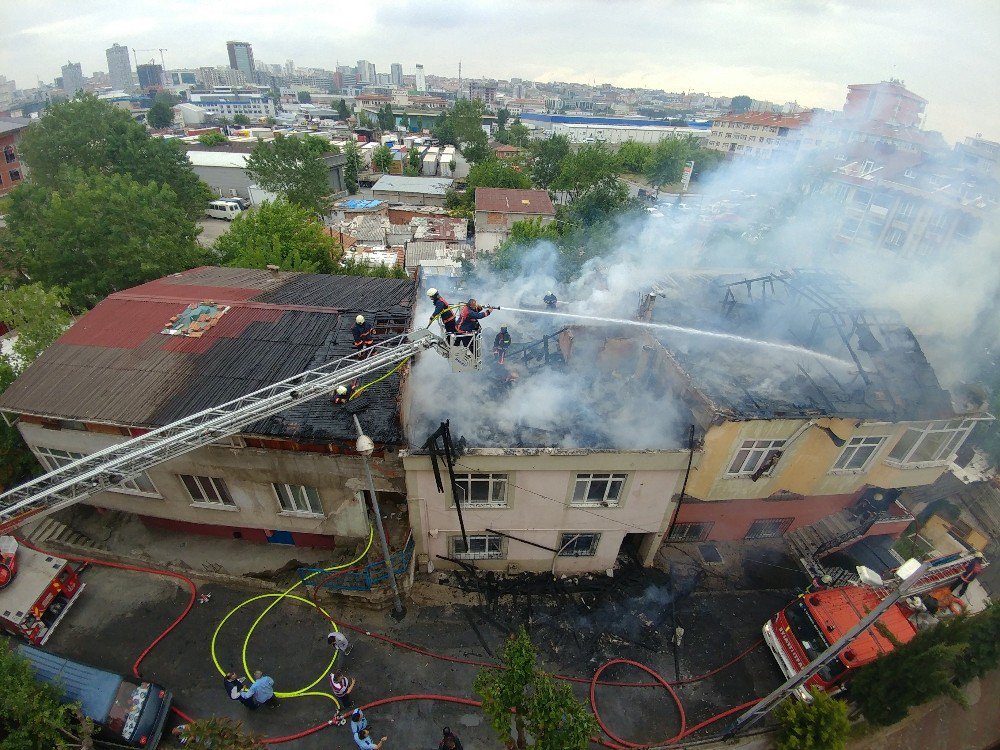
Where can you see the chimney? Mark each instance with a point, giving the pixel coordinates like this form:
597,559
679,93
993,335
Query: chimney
273,269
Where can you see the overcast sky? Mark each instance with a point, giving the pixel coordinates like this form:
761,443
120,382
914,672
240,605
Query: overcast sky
781,50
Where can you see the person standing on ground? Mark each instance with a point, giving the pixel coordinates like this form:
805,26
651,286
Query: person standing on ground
261,691
233,685
501,344
972,570
342,687
450,741
358,722
340,642
365,742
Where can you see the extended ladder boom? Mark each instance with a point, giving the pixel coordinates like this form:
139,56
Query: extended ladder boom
108,467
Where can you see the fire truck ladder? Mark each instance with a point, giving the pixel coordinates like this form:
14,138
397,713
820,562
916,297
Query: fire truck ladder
111,466
941,572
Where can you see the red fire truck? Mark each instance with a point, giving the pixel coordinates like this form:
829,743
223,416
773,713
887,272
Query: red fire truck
39,591
812,623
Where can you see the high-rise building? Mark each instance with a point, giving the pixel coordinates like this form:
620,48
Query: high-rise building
289,68
120,67
366,72
150,76
421,82
72,78
396,71
241,58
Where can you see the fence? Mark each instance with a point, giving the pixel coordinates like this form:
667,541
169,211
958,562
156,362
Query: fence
364,579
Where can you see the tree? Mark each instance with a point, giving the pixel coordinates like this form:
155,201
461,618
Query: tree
547,158
506,259
355,267
342,111
518,134
305,97
819,725
241,119
88,133
32,716
413,162
498,173
212,139
99,233
386,118
160,115
740,104
219,733
665,164
463,127
293,168
278,233
382,159
353,166
503,117
590,166
519,699
633,156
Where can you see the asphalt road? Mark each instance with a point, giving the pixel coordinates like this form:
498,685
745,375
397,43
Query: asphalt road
211,230
575,628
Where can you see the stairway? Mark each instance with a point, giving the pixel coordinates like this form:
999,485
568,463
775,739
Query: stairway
828,535
48,533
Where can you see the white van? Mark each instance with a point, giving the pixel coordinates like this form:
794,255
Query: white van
224,209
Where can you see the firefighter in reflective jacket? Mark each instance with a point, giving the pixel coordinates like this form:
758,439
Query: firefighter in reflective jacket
363,332
343,393
501,344
470,315
550,300
442,311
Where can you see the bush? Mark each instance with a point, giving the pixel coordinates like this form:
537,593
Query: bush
820,725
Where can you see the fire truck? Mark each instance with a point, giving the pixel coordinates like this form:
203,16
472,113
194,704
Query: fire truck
38,592
804,629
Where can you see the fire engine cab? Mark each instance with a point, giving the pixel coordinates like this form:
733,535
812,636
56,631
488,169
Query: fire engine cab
40,589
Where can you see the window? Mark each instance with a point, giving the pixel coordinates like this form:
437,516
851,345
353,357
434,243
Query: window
207,490
15,175
858,453
53,458
298,498
598,489
9,155
480,547
482,490
578,545
895,238
752,455
690,532
768,528
936,441
862,198
905,209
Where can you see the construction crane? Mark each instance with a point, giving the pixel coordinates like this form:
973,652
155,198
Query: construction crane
111,466
161,50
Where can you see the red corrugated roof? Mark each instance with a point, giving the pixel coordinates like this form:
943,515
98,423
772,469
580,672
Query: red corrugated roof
510,201
767,118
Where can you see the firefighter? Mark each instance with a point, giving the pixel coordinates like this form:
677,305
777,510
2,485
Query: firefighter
550,300
501,344
442,312
973,569
468,320
363,332
343,393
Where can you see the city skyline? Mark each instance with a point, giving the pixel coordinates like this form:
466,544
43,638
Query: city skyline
803,51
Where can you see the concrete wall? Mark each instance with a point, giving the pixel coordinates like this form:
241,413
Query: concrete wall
539,490
412,199
248,473
224,179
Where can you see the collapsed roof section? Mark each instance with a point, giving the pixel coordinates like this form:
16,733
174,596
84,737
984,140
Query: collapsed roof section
834,357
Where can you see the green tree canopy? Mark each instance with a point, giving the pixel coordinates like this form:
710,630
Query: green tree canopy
353,166
517,134
498,173
293,167
99,233
740,103
586,168
241,119
281,234
547,158
88,133
666,162
506,259
304,97
39,317
519,700
633,156
342,111
413,162
386,118
212,139
219,733
32,716
382,159
160,115
819,725
463,127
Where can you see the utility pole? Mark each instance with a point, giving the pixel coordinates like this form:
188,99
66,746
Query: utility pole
366,447
758,711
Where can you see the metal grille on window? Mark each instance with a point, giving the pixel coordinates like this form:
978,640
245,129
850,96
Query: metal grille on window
690,532
766,528
578,545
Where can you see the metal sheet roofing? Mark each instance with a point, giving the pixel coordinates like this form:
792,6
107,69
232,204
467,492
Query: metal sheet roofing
217,159
394,183
511,201
115,366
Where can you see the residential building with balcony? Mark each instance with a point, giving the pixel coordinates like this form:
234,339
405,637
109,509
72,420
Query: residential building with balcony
11,169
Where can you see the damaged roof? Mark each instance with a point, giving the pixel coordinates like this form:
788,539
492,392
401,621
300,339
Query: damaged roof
834,357
115,365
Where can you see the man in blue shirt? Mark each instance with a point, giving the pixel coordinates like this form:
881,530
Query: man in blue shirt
358,721
261,691
365,742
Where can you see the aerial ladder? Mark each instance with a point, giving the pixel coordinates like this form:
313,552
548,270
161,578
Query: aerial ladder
111,466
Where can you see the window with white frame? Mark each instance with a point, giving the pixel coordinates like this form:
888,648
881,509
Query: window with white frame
934,442
598,489
481,490
54,458
858,453
752,454
479,547
895,238
207,490
578,545
298,498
